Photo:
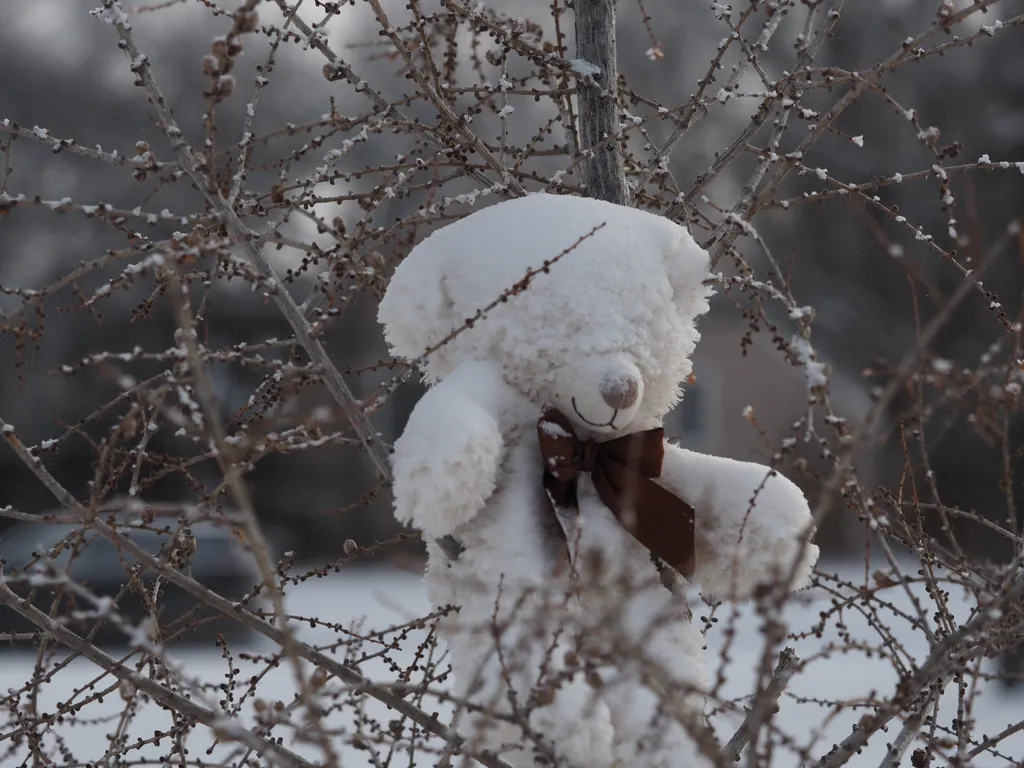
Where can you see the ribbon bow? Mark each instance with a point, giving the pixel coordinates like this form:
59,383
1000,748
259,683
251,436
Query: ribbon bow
622,471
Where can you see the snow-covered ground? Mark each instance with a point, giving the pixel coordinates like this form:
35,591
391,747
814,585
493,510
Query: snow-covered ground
384,597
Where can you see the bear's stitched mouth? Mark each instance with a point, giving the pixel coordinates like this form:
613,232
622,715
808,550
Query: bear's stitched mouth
609,423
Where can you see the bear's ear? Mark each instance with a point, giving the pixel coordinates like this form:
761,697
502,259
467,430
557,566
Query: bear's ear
416,311
687,266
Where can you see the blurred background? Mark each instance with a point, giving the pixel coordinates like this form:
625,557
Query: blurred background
864,275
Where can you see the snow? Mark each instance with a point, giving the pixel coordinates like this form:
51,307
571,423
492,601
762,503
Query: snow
554,430
583,68
753,522
816,373
112,14
446,461
388,597
462,268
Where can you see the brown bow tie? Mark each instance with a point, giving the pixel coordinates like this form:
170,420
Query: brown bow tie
621,470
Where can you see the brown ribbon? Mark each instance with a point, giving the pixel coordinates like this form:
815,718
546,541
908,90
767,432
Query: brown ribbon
622,471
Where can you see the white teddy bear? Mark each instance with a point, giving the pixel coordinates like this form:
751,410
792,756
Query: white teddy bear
584,309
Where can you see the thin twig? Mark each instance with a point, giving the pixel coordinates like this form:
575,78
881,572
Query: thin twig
236,611
225,729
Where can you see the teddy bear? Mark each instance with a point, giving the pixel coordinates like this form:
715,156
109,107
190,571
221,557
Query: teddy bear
567,320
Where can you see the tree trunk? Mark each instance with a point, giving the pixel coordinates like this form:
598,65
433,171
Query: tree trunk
603,170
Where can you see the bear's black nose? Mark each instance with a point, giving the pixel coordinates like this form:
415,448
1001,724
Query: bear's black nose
619,391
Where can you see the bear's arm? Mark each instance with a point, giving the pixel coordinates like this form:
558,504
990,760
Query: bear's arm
751,523
446,461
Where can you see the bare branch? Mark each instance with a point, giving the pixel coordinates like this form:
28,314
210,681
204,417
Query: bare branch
224,729
332,378
764,703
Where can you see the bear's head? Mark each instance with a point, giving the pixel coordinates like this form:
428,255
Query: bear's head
603,331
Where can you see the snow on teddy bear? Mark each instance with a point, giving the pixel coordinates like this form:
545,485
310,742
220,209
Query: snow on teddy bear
586,310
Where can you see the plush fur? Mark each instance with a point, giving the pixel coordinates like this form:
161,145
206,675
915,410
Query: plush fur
616,310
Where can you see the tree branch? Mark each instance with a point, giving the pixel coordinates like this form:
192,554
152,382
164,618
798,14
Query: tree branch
332,378
233,479
224,727
944,659
235,611
894,754
769,696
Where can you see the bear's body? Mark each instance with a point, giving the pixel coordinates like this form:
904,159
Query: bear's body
605,335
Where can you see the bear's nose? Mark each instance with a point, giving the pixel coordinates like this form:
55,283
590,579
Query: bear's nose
619,391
